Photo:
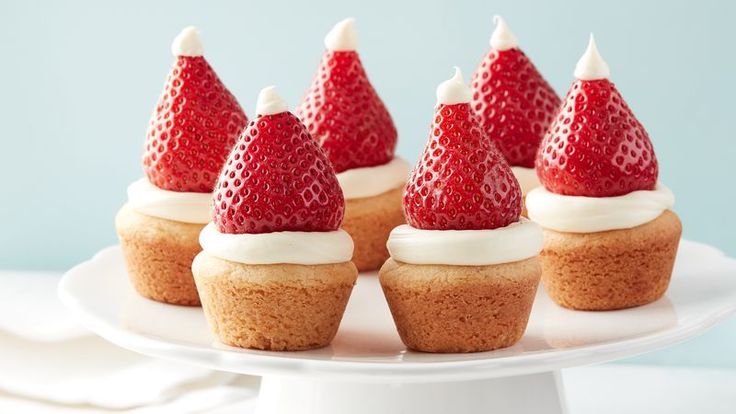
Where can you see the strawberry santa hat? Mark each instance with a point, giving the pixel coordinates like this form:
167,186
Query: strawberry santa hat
194,124
277,178
461,181
596,147
342,110
514,102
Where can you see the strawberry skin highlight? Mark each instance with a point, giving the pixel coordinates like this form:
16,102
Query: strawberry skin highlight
346,116
277,179
461,181
193,128
514,103
596,147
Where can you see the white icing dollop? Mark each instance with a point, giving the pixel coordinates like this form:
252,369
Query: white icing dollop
454,90
372,181
527,178
578,214
296,247
591,65
517,241
342,37
187,43
186,207
270,102
502,37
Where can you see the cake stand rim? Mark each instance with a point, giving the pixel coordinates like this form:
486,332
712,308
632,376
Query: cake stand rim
371,371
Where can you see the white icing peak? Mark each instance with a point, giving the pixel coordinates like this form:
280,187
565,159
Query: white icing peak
454,90
343,36
270,102
187,43
502,37
591,65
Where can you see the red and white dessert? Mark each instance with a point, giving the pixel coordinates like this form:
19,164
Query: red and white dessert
463,272
346,116
275,270
192,130
610,234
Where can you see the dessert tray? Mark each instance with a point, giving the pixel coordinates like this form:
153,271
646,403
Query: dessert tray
368,370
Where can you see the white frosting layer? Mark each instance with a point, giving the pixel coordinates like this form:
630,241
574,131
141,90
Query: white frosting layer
517,241
576,214
372,181
454,90
502,37
187,43
150,200
342,37
591,65
270,102
527,178
296,247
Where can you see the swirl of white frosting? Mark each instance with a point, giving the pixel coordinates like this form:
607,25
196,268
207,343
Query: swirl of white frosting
578,214
270,102
372,181
591,65
502,37
527,178
186,207
187,43
454,90
517,241
296,247
342,37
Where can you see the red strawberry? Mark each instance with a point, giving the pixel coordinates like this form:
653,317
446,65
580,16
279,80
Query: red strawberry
513,101
461,181
277,179
596,147
344,113
195,124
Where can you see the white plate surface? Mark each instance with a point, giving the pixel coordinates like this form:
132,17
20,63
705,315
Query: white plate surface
367,347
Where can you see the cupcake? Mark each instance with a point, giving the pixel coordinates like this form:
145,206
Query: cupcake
192,129
350,122
610,235
275,270
514,103
463,272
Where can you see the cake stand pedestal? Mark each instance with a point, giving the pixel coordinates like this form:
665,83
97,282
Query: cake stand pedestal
368,370
534,393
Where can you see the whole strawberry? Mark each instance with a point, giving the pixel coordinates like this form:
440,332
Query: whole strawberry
277,178
596,147
194,125
342,110
461,181
514,102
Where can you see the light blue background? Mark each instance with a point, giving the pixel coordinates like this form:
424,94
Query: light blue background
78,80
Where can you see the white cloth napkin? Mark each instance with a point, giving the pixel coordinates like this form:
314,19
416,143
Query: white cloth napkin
29,308
48,363
206,400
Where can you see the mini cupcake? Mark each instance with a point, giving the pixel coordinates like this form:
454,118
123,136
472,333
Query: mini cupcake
514,103
275,272
610,235
464,272
346,116
192,129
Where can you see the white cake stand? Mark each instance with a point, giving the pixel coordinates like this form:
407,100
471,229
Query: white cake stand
367,370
